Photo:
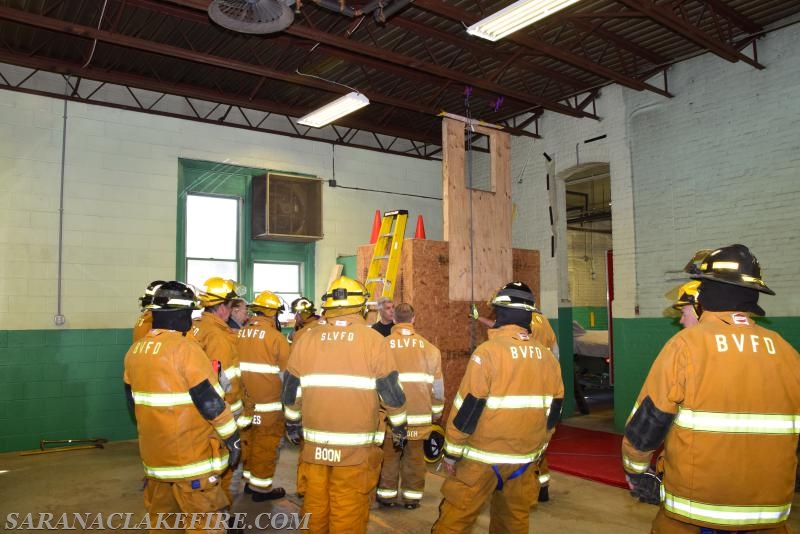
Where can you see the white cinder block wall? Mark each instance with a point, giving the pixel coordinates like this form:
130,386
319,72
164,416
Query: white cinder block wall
717,164
120,195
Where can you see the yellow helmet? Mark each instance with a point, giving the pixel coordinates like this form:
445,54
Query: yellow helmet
266,301
683,295
217,290
688,294
344,292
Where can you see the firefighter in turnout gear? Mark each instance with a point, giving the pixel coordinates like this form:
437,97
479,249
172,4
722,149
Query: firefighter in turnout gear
212,332
263,353
542,332
305,317
420,365
145,321
346,376
187,435
504,413
724,398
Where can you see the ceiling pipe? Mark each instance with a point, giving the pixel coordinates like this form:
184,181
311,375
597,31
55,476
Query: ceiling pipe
394,7
350,11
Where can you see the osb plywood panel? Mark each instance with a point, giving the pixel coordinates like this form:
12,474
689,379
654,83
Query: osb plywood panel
477,224
423,282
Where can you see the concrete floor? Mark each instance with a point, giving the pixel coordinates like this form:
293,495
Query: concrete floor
110,480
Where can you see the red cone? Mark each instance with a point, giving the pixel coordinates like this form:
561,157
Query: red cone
420,231
376,228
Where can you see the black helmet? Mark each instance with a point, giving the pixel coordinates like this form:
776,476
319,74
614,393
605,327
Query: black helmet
734,264
303,306
147,298
174,295
515,295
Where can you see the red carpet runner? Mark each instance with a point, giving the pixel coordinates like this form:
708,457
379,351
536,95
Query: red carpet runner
587,454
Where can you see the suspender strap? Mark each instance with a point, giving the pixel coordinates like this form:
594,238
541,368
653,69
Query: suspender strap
521,469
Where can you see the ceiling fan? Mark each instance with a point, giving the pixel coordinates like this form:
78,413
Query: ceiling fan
252,16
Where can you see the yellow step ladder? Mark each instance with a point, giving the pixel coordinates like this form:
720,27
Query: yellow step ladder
386,254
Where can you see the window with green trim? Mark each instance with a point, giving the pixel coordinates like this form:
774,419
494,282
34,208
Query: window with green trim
283,279
214,236
212,230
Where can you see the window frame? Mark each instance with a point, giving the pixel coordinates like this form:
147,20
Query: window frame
231,181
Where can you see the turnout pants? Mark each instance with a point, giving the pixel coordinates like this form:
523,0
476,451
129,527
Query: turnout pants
261,449
405,468
474,483
664,524
202,497
338,498
301,475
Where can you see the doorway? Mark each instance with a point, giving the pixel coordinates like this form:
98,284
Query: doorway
589,244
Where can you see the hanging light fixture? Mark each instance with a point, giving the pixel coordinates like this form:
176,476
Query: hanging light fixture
515,17
338,108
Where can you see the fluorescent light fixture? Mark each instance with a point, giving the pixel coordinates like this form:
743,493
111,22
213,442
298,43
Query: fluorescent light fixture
515,17
338,108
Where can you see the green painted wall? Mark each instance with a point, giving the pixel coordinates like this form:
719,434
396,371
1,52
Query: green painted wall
637,342
348,266
584,315
62,384
67,384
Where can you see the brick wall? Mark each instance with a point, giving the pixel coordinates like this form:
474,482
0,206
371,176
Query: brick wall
714,165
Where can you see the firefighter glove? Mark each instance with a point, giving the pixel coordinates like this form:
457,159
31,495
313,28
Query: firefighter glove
473,312
399,436
234,444
645,486
294,432
449,463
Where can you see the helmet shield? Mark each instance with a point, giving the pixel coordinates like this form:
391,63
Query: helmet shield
147,298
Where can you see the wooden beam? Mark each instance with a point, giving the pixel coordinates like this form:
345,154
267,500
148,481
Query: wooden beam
477,224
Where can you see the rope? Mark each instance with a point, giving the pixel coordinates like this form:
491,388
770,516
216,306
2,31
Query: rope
473,334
